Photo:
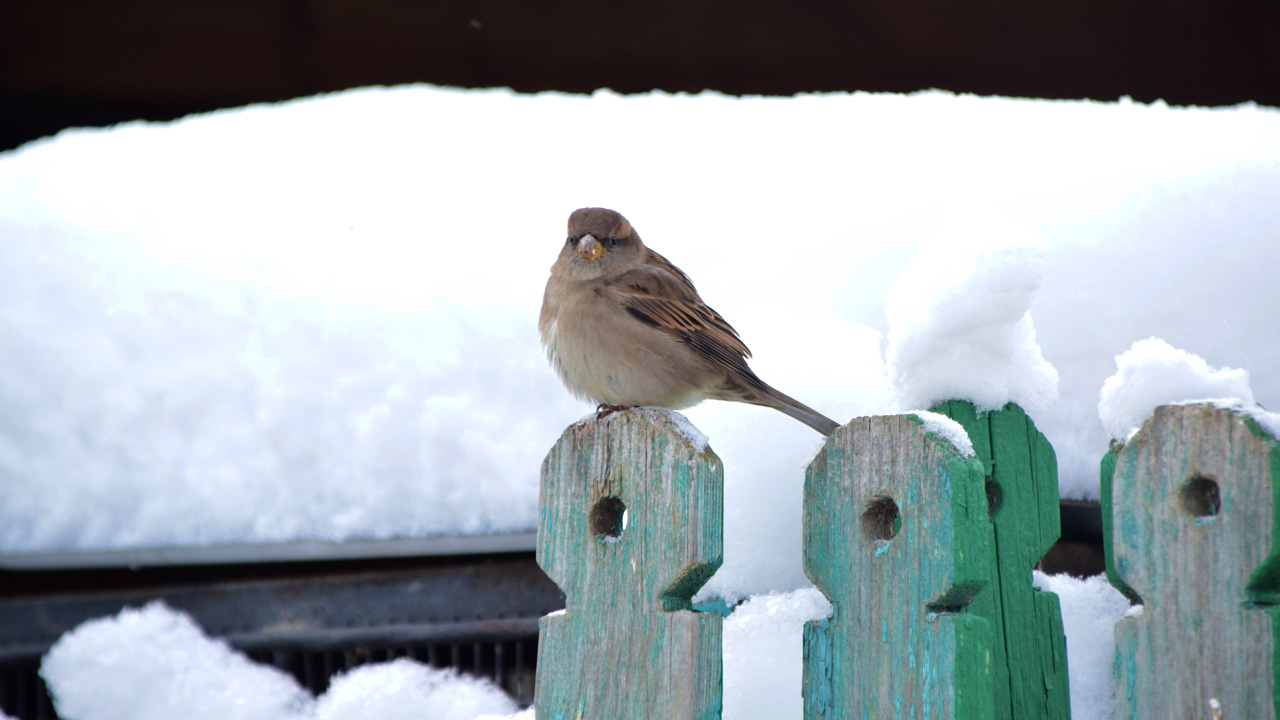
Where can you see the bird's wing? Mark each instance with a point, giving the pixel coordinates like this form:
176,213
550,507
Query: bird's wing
659,294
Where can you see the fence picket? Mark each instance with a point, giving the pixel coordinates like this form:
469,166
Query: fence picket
628,645
1022,488
1189,508
897,537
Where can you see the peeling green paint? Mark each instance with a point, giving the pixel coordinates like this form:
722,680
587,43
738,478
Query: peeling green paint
1202,632
913,659
628,646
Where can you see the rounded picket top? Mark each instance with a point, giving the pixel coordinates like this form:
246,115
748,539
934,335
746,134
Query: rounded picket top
897,537
1189,508
630,527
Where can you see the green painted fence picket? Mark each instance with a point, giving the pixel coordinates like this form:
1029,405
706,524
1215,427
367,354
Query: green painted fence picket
631,516
896,536
1030,646
1189,513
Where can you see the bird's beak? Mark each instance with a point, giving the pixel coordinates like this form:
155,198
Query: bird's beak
589,247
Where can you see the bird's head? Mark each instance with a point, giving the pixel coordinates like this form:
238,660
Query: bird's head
601,242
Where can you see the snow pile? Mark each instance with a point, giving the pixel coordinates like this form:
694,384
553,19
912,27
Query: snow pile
155,664
697,439
960,322
1090,610
408,690
948,429
763,654
1152,373
147,405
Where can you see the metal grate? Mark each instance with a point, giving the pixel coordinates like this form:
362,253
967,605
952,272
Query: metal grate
22,693
508,663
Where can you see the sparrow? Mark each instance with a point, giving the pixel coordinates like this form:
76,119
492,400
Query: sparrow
624,327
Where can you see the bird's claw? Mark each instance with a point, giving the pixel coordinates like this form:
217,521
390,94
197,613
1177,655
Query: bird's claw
603,410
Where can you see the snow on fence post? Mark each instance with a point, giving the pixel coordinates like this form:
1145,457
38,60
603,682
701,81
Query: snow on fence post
631,517
1022,492
1189,515
896,536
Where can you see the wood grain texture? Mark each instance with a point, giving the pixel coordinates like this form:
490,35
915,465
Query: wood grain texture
901,641
1192,500
628,645
1030,645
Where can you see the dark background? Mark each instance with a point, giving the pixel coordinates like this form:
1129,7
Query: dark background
97,62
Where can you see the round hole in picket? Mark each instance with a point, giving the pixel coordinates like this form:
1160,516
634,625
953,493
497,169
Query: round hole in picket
608,517
881,520
1200,498
995,498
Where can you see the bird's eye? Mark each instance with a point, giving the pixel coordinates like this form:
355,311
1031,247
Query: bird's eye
568,240
613,241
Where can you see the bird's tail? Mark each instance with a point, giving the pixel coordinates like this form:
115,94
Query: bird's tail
798,410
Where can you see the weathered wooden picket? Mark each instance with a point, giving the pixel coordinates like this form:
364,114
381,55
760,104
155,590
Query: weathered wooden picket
926,557
630,528
896,536
1190,507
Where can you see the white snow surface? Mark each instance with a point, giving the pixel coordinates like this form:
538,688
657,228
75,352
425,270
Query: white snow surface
405,689
1152,373
154,663
948,429
1270,421
697,439
763,654
317,319
1090,610
960,322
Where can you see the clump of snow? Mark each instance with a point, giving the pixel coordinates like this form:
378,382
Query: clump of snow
156,664
1270,421
408,690
960,322
1090,610
946,428
763,654
697,439
1152,373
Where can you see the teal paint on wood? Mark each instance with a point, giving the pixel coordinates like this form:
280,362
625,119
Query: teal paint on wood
900,642
1030,645
1192,500
628,646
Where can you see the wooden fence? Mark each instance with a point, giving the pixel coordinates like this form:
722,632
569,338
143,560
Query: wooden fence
926,557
